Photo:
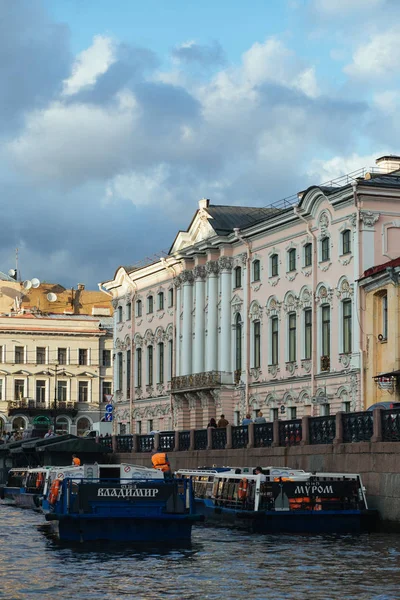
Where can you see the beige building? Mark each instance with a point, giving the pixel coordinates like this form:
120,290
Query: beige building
55,355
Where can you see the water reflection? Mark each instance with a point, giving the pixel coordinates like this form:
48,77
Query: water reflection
218,563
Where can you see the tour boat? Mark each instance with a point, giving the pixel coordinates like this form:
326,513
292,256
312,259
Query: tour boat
24,487
140,506
282,500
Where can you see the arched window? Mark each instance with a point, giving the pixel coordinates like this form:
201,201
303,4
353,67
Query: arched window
346,241
82,425
238,277
325,255
238,357
138,308
62,425
308,255
274,265
326,337
292,259
256,270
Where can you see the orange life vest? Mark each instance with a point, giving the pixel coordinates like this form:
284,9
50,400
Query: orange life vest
160,462
76,462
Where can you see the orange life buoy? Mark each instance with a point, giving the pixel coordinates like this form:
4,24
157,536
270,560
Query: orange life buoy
55,488
39,480
242,492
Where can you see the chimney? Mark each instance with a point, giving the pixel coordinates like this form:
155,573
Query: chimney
204,203
81,287
388,163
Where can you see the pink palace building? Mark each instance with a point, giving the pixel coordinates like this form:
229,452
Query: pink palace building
254,309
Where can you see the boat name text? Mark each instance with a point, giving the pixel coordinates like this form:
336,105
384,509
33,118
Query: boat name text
310,490
127,492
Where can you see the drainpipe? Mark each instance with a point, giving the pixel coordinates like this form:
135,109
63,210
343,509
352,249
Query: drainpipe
100,286
171,270
313,305
358,291
248,260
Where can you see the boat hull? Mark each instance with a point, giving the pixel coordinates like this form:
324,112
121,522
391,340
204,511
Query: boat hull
285,521
129,529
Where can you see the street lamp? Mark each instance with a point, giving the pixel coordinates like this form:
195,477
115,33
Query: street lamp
56,363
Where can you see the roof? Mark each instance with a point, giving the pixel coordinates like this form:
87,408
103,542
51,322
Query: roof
4,277
379,268
226,218
389,374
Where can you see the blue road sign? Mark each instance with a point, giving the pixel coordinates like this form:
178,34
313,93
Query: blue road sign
108,417
109,408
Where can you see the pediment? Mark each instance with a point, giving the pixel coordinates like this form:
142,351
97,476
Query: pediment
199,230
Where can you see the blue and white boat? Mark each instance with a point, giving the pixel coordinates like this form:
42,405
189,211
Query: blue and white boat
24,487
140,507
282,500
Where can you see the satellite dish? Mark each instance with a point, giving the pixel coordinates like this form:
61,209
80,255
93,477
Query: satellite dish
51,297
27,284
11,272
35,282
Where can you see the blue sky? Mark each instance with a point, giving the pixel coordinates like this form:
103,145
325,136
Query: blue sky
117,117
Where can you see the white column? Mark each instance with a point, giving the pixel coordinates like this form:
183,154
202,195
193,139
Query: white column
225,265
177,345
355,307
199,326
187,281
212,316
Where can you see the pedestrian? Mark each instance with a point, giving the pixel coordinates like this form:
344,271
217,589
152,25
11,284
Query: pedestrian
258,471
160,461
247,420
49,434
76,461
260,418
212,423
222,422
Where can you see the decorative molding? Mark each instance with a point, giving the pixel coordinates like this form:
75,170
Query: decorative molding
212,267
324,266
307,272
345,360
353,220
187,277
291,367
199,272
369,218
225,264
291,275
273,370
274,280
306,365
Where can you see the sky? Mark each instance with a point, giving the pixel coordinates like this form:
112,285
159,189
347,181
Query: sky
116,117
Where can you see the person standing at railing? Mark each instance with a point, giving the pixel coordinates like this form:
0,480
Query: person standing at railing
212,423
260,418
247,420
223,422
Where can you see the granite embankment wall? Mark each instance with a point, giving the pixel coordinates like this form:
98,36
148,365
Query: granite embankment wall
377,462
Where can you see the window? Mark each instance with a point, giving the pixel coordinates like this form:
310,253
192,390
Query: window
273,414
274,341
107,390
40,391
385,317
139,367
325,410
19,386
128,373
139,427
150,365
308,255
346,406
150,425
274,265
326,330
62,356
138,308
161,363
256,270
83,391
307,333
19,355
161,301
257,344
119,370
82,356
238,277
41,356
1,389
171,297
325,249
149,304
292,412
128,311
346,241
62,391
347,323
171,358
119,314
106,361
2,354
238,357
292,259
292,337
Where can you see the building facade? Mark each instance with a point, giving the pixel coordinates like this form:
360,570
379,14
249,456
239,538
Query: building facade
55,371
381,321
254,309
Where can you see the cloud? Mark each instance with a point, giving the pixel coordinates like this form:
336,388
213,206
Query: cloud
378,59
325,170
90,64
190,52
343,8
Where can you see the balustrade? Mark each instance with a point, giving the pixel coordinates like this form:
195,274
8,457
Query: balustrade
290,432
184,440
357,427
218,437
209,379
322,430
200,439
240,436
166,441
145,443
391,425
124,443
263,435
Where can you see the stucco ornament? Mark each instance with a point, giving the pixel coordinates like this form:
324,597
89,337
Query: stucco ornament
345,360
273,370
212,267
291,367
187,277
324,223
369,218
225,264
177,281
199,272
306,365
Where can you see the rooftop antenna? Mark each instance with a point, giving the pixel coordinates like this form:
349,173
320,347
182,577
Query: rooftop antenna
16,265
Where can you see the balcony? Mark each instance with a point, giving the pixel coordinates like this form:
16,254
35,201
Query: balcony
33,408
197,381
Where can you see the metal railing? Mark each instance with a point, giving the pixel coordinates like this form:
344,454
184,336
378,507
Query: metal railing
218,437
207,380
357,427
106,441
263,435
184,440
166,441
200,439
240,436
322,430
145,443
391,425
290,432
124,443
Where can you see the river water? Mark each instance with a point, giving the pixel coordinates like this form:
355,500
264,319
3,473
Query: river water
219,563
